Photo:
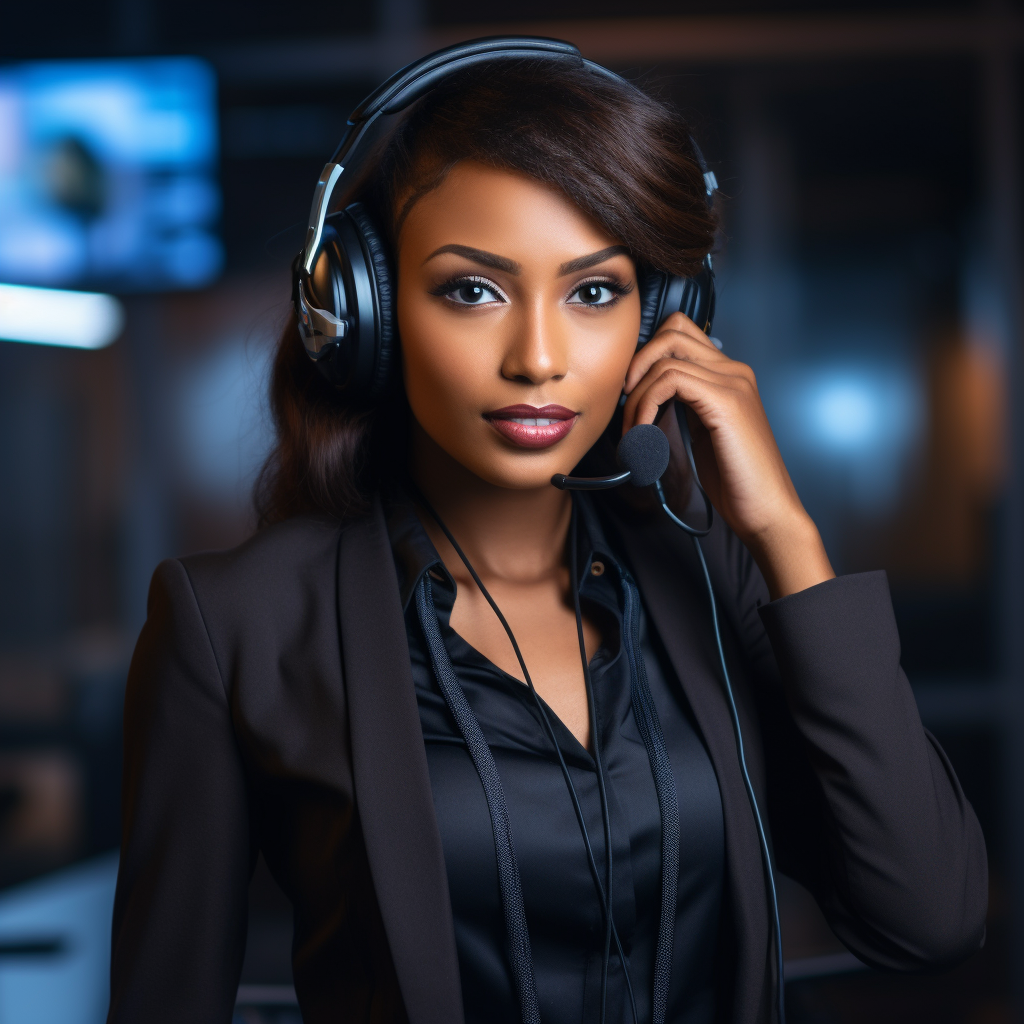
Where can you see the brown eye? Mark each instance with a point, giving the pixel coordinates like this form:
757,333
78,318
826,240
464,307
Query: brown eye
471,293
594,293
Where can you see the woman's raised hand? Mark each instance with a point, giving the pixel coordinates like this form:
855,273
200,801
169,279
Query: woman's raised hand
737,458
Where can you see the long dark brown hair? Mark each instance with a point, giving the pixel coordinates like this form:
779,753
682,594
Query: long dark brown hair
621,156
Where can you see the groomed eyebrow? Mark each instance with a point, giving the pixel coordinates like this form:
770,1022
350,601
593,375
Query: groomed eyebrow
584,262
481,256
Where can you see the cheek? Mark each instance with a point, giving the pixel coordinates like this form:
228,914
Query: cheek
603,348
446,362
603,353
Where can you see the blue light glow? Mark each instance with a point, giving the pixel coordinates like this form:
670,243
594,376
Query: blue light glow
846,414
107,174
72,907
49,316
848,430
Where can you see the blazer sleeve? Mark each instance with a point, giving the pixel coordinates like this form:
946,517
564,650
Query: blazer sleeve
181,902
866,809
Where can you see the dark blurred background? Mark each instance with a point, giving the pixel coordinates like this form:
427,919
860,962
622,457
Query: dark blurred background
869,270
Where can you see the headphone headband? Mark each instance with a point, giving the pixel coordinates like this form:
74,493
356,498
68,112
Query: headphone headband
412,81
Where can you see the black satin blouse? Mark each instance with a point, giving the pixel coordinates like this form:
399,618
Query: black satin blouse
563,909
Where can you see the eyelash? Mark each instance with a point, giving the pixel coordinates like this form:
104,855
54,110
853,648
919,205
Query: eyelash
453,284
460,280
617,288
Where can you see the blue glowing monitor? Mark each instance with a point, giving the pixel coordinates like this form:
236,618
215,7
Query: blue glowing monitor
108,174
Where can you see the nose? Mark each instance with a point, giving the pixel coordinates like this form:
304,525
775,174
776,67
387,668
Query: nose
537,349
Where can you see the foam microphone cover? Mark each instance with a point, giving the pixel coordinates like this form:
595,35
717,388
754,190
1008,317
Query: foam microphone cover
645,453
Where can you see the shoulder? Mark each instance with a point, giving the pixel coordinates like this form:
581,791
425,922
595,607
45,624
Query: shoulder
268,587
301,546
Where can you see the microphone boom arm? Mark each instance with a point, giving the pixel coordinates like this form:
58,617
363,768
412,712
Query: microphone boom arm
589,483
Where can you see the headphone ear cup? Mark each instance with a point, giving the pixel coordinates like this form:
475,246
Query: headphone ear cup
663,294
379,269
652,294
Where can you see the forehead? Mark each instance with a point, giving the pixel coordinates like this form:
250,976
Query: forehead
501,211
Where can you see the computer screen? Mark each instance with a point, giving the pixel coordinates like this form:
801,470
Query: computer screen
108,174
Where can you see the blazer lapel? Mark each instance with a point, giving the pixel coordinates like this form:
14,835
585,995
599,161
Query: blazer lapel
675,598
392,785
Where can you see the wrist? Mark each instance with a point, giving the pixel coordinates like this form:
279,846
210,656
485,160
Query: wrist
791,555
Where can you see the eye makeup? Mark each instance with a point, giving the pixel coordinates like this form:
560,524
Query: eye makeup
615,286
467,283
471,289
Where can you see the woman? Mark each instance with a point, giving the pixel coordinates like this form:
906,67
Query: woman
339,693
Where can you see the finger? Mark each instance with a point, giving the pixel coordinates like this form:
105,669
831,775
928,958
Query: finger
681,322
684,331
673,344
679,336
697,386
643,405
725,378
726,373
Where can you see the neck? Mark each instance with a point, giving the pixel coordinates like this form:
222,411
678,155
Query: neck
508,533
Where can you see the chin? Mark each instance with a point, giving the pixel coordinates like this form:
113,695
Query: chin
527,472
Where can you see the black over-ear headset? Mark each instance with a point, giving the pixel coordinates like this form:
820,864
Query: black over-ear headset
343,281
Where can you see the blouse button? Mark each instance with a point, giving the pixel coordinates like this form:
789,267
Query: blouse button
597,568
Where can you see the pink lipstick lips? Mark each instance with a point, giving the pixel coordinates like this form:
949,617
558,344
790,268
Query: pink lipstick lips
529,427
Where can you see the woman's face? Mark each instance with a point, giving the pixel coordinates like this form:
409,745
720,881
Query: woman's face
518,317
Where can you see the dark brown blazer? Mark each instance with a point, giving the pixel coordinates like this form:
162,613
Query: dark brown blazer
270,707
